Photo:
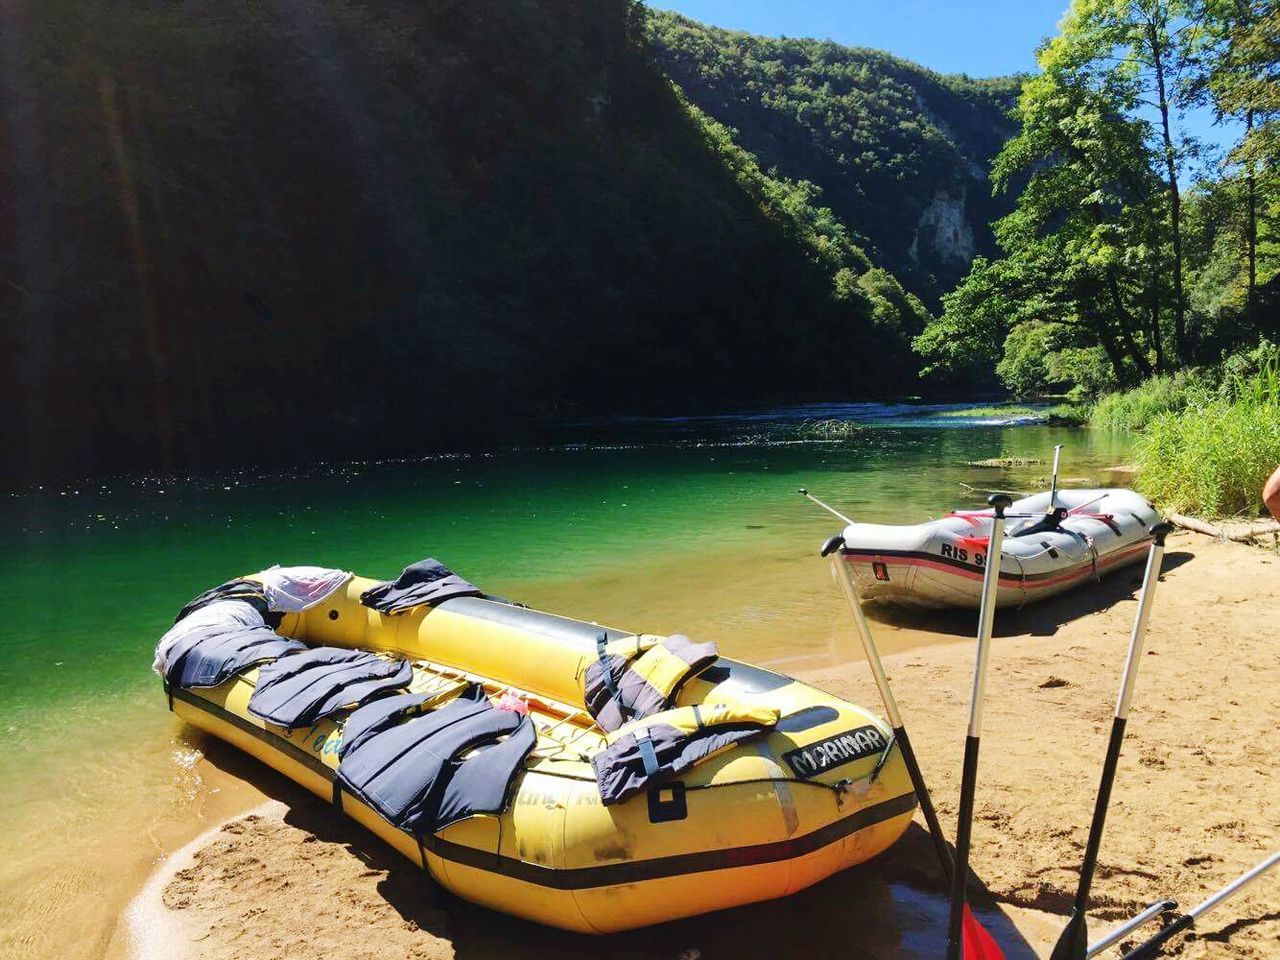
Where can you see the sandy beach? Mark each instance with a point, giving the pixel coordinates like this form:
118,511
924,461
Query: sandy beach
1194,805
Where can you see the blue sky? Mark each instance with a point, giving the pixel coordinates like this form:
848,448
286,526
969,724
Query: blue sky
982,38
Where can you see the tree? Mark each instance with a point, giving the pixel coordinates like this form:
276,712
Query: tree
1238,58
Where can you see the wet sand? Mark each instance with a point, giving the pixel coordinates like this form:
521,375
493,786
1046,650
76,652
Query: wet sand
1194,805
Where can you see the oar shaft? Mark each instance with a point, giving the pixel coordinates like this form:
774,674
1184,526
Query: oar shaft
1053,489
1235,886
1072,943
960,873
1100,805
863,629
986,619
1126,928
1150,578
825,506
1151,948
969,773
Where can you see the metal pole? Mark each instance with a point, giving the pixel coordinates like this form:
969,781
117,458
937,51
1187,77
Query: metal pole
1152,947
987,614
1073,942
969,772
891,709
1235,886
1157,908
1053,488
832,510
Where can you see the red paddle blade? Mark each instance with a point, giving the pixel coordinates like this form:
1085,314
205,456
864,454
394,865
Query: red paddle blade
976,943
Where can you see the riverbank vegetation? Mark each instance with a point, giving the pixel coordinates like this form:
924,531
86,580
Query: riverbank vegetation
1212,449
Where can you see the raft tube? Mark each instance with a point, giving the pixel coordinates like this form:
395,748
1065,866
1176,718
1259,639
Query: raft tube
823,791
940,563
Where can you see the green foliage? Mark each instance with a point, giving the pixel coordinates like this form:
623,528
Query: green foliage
1213,457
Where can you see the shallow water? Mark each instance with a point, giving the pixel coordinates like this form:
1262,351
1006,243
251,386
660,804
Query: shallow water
688,524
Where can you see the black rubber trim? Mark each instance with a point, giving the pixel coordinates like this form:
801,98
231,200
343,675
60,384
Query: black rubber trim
1013,578
605,875
635,871
741,677
294,752
807,718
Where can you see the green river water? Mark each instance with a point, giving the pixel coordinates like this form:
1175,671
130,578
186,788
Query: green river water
658,525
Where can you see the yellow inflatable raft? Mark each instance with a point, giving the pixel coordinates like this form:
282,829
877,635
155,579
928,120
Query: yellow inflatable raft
823,790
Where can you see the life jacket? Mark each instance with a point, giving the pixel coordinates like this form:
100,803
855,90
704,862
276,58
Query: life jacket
217,642
404,771
427,581
386,712
482,783
652,751
298,690
250,591
639,676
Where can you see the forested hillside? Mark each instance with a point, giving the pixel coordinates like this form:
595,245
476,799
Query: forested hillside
900,153
288,232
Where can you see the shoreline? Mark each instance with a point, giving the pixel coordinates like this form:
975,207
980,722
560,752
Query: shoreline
1201,731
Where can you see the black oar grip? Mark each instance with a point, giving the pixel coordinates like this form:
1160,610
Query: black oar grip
1000,502
832,544
1159,531
1152,948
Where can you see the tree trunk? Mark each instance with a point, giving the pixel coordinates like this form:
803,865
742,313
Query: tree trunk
1125,322
1098,324
1157,339
1251,229
1175,198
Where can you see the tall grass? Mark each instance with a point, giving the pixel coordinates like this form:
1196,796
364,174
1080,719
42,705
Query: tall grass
1135,409
1213,457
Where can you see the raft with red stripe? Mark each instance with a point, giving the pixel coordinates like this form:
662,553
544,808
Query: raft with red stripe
940,563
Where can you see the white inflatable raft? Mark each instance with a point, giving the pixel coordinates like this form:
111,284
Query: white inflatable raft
1087,535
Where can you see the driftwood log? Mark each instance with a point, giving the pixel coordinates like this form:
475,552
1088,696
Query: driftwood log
1239,532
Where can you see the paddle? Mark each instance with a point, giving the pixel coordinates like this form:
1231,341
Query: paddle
1152,947
984,945
958,945
1073,944
1053,488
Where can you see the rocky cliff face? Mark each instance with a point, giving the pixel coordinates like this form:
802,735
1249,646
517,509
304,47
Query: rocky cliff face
944,232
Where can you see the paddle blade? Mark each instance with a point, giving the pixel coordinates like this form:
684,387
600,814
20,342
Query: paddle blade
977,943
1073,942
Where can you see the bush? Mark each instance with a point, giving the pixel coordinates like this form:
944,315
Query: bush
1213,457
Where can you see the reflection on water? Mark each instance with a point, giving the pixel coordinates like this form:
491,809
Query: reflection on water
688,525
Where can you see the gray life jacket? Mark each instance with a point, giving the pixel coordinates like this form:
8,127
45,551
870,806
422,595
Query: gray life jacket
620,685
650,752
403,771
298,690
427,581
383,714
211,655
482,783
